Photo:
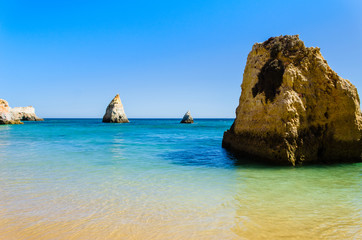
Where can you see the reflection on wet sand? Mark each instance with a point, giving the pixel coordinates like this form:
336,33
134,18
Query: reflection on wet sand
259,207
300,206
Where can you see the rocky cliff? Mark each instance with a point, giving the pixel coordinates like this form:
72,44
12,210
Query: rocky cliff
294,108
15,115
115,112
187,118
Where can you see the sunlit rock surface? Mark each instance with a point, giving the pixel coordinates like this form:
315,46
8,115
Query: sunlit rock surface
25,114
294,108
115,112
15,115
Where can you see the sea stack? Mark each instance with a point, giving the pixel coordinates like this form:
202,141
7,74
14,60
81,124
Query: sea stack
115,112
187,118
294,109
15,115
25,114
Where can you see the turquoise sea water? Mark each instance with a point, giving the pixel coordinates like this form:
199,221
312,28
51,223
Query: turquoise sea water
158,179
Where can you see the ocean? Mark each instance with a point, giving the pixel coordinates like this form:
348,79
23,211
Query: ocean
159,179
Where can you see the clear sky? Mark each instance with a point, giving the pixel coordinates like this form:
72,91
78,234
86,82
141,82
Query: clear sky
70,58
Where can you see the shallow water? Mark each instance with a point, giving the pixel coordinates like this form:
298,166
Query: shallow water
158,179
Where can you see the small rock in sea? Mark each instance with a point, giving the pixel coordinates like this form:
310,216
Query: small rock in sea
25,114
15,115
187,118
115,112
294,109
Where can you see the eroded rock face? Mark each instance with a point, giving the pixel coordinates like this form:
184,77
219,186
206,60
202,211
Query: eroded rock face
5,114
25,114
115,112
294,108
15,115
187,118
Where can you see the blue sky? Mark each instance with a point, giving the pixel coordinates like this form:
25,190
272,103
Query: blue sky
70,58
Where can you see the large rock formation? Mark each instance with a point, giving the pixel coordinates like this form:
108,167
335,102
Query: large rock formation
115,112
294,108
187,118
15,115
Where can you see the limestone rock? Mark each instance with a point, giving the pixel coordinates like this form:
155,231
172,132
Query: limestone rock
15,115
4,106
187,118
5,113
294,109
25,114
115,112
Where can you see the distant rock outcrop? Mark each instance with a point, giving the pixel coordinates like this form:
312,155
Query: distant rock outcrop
115,112
187,118
25,114
294,108
15,115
